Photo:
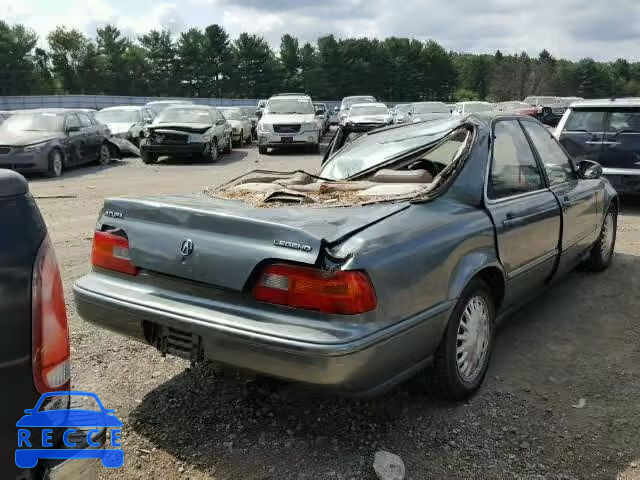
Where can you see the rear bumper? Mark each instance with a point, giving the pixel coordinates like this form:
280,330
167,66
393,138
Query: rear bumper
362,365
624,180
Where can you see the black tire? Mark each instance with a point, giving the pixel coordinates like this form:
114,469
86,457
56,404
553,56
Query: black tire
228,148
148,157
104,154
214,151
602,251
248,140
262,150
55,163
444,379
315,148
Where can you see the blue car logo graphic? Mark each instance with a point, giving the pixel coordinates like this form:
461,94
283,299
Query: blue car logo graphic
36,430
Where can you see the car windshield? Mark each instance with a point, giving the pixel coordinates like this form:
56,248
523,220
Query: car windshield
34,122
290,106
118,116
159,107
368,110
232,114
478,107
80,402
403,108
249,111
370,150
348,102
183,115
430,107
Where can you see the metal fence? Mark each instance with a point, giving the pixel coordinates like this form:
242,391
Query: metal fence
101,101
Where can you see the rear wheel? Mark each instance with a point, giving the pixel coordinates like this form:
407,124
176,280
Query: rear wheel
104,155
148,157
602,250
461,361
55,163
262,150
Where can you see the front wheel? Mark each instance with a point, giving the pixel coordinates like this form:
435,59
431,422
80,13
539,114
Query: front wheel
55,163
228,148
148,157
104,155
462,358
214,150
602,251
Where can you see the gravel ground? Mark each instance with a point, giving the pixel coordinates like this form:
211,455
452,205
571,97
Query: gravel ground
579,340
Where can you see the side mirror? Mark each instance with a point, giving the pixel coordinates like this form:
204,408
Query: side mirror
73,128
259,113
589,170
221,122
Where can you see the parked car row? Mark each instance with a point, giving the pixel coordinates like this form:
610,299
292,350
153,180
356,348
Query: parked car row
49,141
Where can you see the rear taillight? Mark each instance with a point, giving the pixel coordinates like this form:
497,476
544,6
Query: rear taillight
111,251
50,342
345,292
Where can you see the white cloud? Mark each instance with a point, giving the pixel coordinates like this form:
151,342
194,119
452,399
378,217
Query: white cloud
568,28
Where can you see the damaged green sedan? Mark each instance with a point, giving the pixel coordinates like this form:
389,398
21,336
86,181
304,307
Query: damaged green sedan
395,260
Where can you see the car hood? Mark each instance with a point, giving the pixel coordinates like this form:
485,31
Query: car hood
235,123
277,119
370,119
184,127
119,127
20,139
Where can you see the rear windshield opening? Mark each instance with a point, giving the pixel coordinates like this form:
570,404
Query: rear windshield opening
406,177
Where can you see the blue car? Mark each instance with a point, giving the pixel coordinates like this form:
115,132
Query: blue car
31,448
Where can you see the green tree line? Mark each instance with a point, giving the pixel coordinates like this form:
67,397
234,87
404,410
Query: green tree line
208,63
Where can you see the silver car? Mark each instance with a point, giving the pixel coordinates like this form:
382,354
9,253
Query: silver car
288,120
240,125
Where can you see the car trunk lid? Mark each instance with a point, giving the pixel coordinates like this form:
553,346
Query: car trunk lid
220,242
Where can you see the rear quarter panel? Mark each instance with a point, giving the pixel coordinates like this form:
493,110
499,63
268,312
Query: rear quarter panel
421,258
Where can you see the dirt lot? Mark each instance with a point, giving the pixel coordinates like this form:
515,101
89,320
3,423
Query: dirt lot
579,340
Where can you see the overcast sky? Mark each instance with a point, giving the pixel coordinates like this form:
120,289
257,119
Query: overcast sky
602,29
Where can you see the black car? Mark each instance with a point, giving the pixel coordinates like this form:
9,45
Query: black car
187,131
50,140
608,132
34,344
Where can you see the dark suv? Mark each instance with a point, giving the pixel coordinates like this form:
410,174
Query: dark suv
608,132
34,337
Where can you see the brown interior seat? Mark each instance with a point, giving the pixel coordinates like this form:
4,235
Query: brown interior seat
402,176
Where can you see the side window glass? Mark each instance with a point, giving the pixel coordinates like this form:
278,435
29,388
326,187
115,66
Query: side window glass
84,120
583,120
514,169
555,160
624,121
72,121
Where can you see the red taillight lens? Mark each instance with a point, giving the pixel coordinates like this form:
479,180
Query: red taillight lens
111,251
343,291
50,342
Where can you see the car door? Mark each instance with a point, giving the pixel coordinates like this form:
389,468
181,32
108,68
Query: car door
76,139
578,198
525,213
582,133
92,136
620,158
220,126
